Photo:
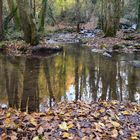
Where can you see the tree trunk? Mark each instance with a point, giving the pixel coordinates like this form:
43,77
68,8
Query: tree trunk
34,8
1,21
78,17
111,17
43,15
27,22
12,6
138,27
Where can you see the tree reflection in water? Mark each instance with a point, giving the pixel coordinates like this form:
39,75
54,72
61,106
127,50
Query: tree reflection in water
32,84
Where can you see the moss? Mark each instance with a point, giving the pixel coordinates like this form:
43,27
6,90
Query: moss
137,46
2,45
117,47
103,46
129,38
110,32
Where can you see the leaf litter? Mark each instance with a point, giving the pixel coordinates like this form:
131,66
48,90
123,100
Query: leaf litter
101,120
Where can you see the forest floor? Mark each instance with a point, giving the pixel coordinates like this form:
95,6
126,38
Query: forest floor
123,42
101,120
19,47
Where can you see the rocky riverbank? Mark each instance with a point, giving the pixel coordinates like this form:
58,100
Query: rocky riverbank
19,48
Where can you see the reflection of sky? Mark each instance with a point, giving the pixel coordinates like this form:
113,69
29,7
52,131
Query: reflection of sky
137,97
71,93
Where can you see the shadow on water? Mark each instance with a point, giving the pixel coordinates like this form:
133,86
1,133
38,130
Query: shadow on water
32,84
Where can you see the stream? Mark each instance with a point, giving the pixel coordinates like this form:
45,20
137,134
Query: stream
34,84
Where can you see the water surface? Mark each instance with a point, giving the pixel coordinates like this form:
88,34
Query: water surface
32,84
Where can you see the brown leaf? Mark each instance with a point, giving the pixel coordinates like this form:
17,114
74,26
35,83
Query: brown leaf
114,133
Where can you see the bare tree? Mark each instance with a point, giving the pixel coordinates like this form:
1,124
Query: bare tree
1,21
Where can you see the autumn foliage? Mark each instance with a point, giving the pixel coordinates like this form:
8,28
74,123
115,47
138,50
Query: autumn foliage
74,120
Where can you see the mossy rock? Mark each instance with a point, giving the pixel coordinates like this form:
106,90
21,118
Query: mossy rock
137,46
44,51
129,38
23,49
117,47
84,41
103,46
2,46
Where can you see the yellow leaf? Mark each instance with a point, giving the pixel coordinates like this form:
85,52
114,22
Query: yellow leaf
114,102
9,123
96,114
70,126
33,121
8,115
115,124
134,137
36,138
102,110
125,113
64,126
66,135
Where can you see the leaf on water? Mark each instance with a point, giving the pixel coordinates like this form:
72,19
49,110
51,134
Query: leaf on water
64,126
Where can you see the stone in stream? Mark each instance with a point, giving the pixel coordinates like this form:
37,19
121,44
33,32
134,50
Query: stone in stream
135,63
97,50
107,54
42,51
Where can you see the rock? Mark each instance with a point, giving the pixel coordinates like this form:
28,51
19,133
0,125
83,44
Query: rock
51,41
117,47
134,26
103,46
130,38
97,50
124,26
137,46
38,50
107,54
135,63
3,106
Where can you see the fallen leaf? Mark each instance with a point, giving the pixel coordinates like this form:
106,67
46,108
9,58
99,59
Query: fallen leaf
64,126
115,124
114,133
125,113
134,137
66,135
36,138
